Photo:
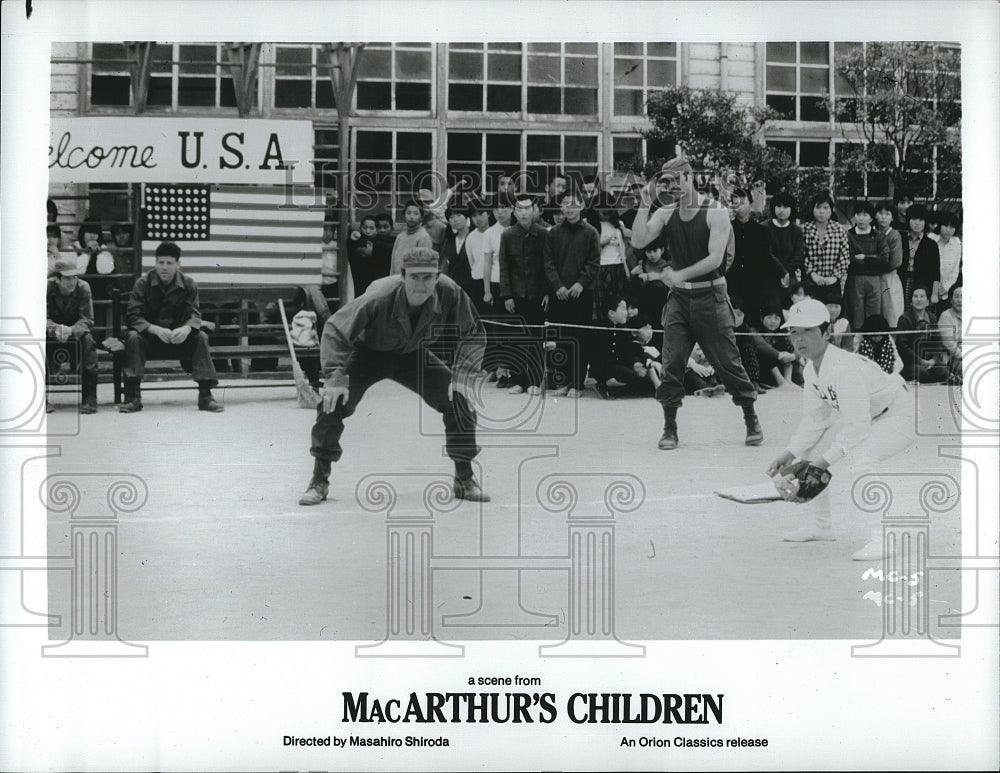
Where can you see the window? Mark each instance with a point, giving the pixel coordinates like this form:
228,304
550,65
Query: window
640,68
798,79
395,76
110,81
326,159
485,78
809,155
183,75
562,78
572,155
627,149
301,78
389,168
477,160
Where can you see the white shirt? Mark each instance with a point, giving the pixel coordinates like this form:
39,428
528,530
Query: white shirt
951,261
475,246
848,387
493,245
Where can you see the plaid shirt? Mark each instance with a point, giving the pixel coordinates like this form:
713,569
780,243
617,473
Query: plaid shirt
829,257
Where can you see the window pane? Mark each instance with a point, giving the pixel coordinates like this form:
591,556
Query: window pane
109,90
503,46
503,99
785,147
544,69
374,64
628,49
410,178
463,146
373,176
662,73
413,145
580,101
465,96
292,93
814,154
625,149
543,147
785,106
293,61
581,71
781,52
549,48
811,109
465,46
421,45
814,80
582,48
544,99
465,66
227,93
108,51
504,67
662,49
878,184
628,102
814,53
503,147
374,145
413,96
159,92
324,94
467,176
374,96
197,60
581,149
413,65
780,78
162,55
628,72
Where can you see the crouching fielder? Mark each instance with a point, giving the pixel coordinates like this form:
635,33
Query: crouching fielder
868,411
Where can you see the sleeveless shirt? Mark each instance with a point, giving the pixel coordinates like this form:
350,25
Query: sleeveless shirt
687,243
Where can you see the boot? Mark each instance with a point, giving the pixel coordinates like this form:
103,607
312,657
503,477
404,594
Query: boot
205,400
668,441
133,397
319,485
755,435
88,401
465,485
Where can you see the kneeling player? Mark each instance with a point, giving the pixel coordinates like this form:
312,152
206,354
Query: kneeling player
869,411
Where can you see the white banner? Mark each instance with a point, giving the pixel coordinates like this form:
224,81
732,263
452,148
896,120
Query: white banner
180,150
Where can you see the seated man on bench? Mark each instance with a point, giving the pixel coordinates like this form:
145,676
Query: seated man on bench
69,318
164,322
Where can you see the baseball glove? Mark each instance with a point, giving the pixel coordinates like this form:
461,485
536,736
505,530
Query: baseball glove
807,479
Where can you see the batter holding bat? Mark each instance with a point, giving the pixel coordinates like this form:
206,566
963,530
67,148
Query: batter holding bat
868,412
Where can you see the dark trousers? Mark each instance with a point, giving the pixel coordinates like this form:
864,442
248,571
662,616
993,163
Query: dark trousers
520,348
420,372
569,361
862,298
76,352
704,317
193,355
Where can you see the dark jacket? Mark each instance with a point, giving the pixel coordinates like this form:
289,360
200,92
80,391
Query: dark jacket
926,263
456,264
572,254
754,266
169,306
521,261
75,310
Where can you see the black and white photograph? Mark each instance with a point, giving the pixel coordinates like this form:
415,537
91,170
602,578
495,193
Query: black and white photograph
553,386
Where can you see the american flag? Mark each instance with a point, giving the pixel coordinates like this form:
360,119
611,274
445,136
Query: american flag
237,234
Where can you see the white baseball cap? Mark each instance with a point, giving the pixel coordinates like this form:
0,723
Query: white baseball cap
807,313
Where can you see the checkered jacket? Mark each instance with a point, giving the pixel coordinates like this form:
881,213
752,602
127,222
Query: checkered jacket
829,257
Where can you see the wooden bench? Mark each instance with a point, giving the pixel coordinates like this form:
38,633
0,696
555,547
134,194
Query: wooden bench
244,327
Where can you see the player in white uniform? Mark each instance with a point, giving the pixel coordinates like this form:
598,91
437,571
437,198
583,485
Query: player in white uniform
869,413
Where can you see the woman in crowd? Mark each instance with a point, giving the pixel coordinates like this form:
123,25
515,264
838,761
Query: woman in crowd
827,252
918,349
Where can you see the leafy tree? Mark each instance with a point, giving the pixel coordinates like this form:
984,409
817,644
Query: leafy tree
724,136
901,101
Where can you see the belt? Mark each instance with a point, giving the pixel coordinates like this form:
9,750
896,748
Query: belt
702,285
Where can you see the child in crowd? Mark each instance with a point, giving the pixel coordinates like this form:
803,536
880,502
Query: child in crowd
877,346
699,377
840,328
612,358
774,350
796,292
611,278
365,267
646,357
53,239
647,283
746,343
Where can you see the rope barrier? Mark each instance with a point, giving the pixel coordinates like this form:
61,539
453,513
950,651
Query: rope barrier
523,326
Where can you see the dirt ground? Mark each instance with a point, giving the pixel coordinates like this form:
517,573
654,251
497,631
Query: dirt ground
222,551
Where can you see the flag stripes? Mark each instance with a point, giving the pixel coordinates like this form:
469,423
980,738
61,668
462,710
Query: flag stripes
257,235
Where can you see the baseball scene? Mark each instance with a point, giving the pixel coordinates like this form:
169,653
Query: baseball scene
590,342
